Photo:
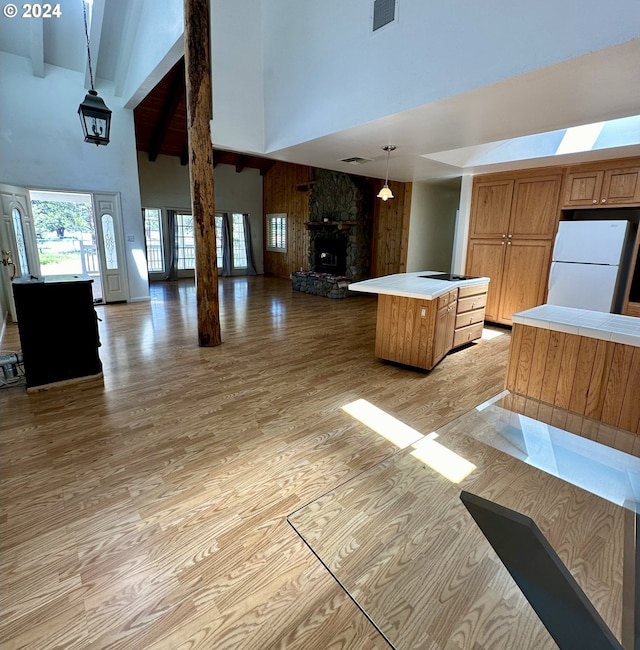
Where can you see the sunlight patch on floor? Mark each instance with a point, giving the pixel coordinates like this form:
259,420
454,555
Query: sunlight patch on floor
447,463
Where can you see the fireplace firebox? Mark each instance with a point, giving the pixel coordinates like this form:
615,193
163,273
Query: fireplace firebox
330,255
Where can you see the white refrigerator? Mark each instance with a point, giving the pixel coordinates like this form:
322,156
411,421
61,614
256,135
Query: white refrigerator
586,263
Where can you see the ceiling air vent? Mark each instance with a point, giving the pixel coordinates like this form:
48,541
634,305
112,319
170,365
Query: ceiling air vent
384,12
356,160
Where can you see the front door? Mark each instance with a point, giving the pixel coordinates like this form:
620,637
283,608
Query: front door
108,223
17,240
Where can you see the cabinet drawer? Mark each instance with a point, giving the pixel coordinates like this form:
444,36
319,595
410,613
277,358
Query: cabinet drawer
469,318
447,298
472,302
466,334
463,292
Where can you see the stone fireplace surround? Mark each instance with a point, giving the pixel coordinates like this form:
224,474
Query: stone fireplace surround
340,225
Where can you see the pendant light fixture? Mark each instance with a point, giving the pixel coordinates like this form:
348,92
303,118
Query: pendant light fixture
385,193
94,114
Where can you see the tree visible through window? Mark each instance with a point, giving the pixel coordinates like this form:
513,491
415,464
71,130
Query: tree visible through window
277,232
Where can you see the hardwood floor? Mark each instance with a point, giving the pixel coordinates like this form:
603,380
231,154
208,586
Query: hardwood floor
399,540
149,510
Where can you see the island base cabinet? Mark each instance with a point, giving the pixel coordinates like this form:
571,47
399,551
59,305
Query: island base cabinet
413,331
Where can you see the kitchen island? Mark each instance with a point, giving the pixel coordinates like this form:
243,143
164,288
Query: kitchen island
423,315
584,361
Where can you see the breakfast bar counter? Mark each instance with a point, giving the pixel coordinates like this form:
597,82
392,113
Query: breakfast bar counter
584,361
422,316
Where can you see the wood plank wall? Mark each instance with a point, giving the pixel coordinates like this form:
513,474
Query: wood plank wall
281,195
599,379
390,230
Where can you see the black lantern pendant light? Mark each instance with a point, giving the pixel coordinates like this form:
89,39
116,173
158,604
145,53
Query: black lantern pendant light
94,114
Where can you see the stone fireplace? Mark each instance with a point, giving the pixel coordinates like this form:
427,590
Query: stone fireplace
340,226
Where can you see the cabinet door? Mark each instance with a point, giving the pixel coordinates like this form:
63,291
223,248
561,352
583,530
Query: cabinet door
536,207
444,329
485,257
583,189
621,186
525,276
491,208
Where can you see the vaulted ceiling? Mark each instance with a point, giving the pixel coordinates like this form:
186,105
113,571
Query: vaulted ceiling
161,125
597,87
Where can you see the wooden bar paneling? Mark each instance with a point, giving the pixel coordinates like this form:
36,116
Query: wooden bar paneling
597,387
617,384
525,360
552,367
630,412
567,371
586,359
540,352
591,377
514,356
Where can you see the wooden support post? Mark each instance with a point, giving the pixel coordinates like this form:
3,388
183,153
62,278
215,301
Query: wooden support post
199,115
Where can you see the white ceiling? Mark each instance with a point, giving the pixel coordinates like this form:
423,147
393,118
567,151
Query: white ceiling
431,140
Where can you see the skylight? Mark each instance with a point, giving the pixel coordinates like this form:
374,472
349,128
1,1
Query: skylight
579,138
622,132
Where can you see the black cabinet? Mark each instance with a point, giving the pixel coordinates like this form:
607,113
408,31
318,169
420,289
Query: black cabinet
58,328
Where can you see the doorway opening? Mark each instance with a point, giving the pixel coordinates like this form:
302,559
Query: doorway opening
66,235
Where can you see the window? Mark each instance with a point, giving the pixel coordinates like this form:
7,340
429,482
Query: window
277,233
153,238
219,219
238,240
185,242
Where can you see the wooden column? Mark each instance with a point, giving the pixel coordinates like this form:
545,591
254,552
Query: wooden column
199,115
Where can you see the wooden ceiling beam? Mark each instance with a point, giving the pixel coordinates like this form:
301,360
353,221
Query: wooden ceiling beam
241,163
176,93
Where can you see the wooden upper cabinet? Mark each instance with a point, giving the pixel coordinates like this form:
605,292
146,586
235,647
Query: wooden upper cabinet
603,184
534,213
621,186
583,189
491,208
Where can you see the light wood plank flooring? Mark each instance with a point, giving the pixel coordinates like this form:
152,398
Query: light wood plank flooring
149,510
400,541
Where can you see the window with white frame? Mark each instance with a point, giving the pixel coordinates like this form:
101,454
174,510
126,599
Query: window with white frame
153,239
276,229
185,241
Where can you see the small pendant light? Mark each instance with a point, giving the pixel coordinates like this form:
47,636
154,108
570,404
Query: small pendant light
385,193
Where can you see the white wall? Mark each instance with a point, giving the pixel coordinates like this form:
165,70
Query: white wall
165,184
238,84
154,45
431,226
325,70
41,147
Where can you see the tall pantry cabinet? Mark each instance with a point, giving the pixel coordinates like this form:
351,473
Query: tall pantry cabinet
514,218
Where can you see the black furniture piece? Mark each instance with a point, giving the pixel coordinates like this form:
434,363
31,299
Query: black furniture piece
58,328
562,606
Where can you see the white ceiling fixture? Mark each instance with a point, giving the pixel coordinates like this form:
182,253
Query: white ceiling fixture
385,193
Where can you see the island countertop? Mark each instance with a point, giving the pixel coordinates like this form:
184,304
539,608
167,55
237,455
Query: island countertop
411,285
